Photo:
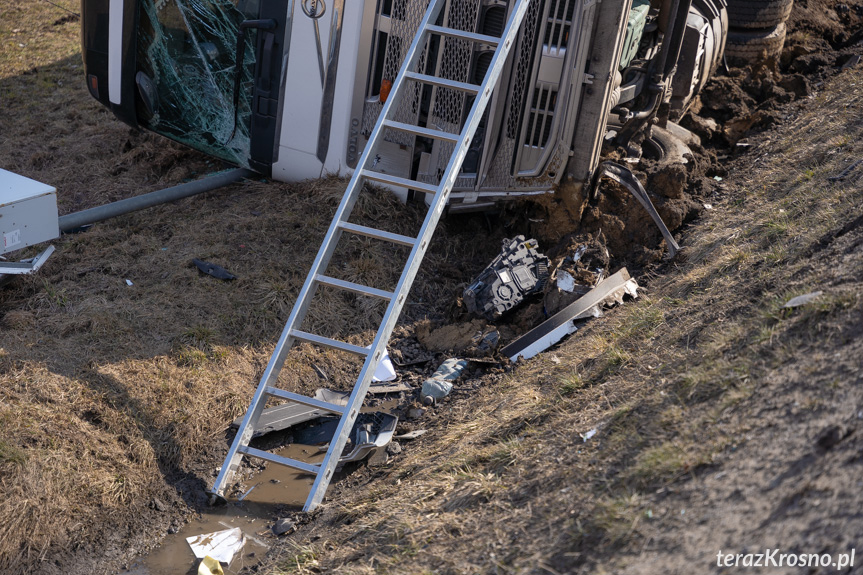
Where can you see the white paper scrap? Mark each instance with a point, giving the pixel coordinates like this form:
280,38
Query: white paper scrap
220,545
565,281
385,370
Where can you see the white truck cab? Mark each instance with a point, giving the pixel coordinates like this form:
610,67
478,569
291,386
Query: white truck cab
293,88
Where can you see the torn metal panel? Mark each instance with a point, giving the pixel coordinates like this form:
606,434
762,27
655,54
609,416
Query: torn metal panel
608,292
627,179
282,417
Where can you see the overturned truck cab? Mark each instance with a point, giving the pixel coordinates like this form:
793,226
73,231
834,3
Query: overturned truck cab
293,88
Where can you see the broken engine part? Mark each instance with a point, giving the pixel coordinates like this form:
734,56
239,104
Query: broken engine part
519,271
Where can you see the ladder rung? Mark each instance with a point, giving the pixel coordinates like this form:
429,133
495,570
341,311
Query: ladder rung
286,461
400,182
302,399
472,36
378,234
420,131
325,341
443,82
351,286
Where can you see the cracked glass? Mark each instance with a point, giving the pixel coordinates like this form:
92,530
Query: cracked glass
186,74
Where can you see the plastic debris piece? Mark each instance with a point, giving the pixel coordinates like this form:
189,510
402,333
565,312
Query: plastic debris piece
579,252
802,300
210,566
439,385
708,206
217,272
565,281
246,494
219,545
284,525
331,396
129,283
588,435
411,434
717,178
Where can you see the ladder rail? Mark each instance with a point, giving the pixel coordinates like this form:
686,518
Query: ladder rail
328,465
322,259
395,305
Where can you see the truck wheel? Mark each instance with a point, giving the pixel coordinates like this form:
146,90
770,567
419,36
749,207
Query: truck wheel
758,13
749,46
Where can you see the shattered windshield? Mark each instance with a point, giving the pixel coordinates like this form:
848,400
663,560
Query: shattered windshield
186,74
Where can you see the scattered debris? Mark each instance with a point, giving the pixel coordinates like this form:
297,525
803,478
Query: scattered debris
802,300
129,283
220,545
565,281
584,264
384,388
330,396
439,385
385,370
371,431
246,494
416,412
411,434
846,172
587,435
283,526
217,272
519,271
282,417
708,206
551,331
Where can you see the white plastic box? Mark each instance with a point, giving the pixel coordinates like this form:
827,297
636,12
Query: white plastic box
28,212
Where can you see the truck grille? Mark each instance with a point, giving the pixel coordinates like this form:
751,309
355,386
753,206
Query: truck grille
518,144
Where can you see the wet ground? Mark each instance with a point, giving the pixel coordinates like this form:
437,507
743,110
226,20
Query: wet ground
272,492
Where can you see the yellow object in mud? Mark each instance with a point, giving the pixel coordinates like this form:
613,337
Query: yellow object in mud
210,566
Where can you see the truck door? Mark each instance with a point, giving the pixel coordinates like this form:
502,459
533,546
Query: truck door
206,73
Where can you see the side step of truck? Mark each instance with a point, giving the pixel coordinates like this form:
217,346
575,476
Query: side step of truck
408,81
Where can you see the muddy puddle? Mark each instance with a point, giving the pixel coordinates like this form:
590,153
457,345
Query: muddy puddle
273,491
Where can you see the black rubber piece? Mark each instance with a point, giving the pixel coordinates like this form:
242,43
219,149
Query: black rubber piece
758,14
749,46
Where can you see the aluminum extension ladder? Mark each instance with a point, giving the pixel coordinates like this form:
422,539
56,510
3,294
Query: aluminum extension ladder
291,333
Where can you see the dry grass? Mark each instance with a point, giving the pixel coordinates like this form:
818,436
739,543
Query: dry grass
506,484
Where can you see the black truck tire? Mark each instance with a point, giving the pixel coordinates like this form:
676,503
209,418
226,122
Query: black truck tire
749,46
759,14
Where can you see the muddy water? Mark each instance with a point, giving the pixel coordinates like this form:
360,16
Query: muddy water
275,488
